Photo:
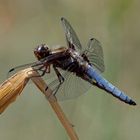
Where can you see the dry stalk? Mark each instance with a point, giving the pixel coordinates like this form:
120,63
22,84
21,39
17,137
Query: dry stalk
12,87
39,82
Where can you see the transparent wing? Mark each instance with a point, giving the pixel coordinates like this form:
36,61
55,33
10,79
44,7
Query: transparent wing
72,87
36,65
71,37
94,53
14,70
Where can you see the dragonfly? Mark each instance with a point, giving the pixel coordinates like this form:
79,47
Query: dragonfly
73,69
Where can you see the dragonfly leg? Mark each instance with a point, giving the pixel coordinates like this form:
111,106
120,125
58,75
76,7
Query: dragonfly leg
44,71
60,78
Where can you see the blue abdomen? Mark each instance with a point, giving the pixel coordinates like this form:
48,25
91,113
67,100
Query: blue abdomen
107,86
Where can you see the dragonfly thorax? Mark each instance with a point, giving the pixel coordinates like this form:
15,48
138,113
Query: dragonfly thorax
78,58
41,51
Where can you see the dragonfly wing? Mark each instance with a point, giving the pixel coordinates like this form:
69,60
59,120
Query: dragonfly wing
94,52
14,70
72,87
34,65
71,37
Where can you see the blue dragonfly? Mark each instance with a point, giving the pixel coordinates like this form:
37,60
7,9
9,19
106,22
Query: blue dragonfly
74,69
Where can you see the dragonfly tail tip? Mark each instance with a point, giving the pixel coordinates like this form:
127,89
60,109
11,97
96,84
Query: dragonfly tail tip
132,102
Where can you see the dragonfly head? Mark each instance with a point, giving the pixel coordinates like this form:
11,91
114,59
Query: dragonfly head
41,51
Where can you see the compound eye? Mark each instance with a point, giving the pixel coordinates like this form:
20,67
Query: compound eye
41,51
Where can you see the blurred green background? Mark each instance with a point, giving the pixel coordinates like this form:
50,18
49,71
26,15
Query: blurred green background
96,115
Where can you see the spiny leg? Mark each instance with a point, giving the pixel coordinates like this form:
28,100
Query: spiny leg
60,78
44,71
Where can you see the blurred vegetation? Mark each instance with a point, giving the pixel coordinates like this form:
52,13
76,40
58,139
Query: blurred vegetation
96,115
